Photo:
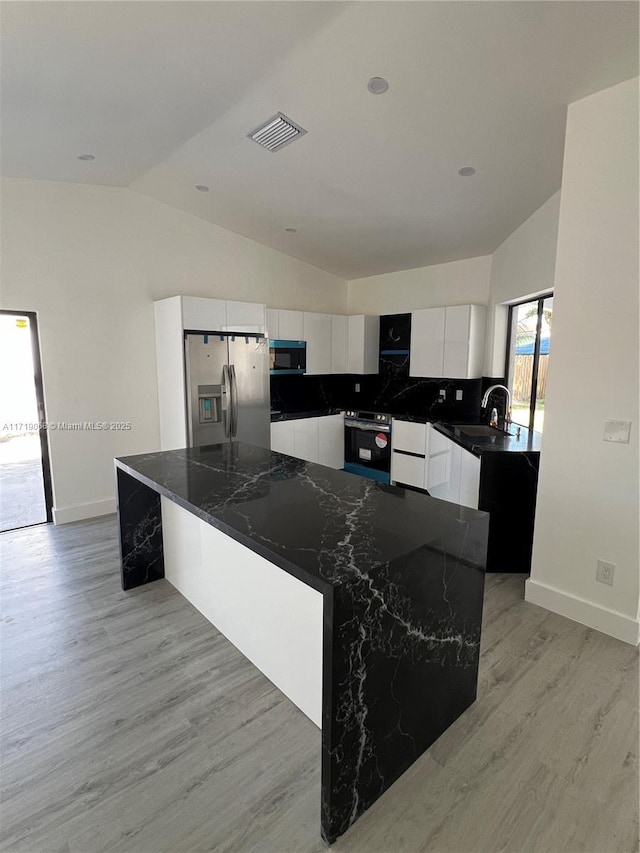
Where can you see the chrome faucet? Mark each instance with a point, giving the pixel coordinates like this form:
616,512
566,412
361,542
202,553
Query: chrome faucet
507,393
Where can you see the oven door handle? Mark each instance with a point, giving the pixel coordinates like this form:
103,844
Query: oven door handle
367,427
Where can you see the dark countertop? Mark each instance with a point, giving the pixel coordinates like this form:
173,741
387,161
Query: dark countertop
402,578
529,441
315,522
294,416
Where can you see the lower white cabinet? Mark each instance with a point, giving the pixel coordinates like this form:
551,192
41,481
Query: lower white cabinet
331,441
318,440
282,437
453,473
305,439
408,453
426,459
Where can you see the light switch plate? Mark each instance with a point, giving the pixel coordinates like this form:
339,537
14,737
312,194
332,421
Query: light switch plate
459,394
443,393
618,431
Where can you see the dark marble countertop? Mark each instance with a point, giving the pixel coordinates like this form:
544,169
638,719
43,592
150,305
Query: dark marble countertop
402,579
321,525
294,416
498,441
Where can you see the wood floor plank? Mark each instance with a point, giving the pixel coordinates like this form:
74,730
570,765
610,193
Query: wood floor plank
130,725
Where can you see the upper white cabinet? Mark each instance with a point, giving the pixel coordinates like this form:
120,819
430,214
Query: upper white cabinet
335,343
448,342
290,325
219,315
363,337
427,342
285,325
203,315
338,343
245,317
464,330
273,324
317,334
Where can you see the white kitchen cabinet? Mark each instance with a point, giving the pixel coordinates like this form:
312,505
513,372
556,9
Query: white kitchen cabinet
203,315
469,479
305,439
448,342
453,473
317,334
245,317
282,437
426,353
408,453
339,325
318,440
463,356
331,441
290,325
273,324
363,341
407,470
409,436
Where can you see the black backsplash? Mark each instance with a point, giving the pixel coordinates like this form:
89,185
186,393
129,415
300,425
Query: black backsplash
392,390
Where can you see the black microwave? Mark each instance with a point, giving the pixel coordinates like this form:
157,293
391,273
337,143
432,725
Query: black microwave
287,357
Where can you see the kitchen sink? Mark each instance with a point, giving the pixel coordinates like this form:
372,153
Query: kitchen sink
479,431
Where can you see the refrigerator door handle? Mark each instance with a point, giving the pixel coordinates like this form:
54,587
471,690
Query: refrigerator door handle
226,395
234,401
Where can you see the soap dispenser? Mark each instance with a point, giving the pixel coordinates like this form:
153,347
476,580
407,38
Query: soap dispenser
494,418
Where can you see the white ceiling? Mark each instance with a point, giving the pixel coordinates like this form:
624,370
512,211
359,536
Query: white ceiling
164,93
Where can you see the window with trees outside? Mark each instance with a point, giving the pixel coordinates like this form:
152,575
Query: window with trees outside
528,359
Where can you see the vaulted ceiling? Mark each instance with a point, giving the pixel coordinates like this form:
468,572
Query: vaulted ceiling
163,95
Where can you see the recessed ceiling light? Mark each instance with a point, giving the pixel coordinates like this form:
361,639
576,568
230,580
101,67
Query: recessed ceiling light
377,85
466,171
86,157
291,230
201,188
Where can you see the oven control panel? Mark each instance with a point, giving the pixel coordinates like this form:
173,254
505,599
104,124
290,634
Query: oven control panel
372,417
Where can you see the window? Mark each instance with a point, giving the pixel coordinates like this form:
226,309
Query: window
528,359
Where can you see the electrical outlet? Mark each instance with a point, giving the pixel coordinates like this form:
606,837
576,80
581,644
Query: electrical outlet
459,394
605,572
443,394
357,388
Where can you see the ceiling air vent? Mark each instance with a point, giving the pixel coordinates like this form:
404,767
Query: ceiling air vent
277,132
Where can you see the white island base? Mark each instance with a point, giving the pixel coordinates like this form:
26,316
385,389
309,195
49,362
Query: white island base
274,619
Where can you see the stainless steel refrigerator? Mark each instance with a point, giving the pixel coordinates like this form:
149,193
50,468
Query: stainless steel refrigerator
227,388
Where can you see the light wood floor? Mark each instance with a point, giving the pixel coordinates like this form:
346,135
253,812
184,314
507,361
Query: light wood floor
130,724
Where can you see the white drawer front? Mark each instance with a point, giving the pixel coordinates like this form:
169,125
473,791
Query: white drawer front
407,469
409,436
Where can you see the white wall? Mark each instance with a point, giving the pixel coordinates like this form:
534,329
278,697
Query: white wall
456,283
522,266
588,489
91,260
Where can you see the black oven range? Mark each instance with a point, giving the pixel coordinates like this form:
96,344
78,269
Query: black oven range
367,445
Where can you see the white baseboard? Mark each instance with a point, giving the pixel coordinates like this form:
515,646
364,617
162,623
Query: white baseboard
585,612
66,514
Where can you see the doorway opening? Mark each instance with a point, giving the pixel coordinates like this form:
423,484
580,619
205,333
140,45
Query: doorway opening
25,475
528,351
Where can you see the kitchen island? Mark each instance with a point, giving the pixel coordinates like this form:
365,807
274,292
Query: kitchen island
398,576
